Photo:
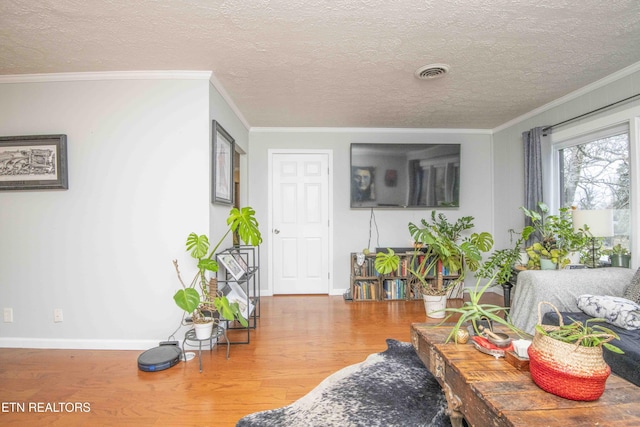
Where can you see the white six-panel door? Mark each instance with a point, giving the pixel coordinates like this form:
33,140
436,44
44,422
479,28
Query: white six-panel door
300,223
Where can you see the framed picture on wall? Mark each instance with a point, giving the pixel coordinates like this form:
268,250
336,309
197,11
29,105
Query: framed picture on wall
37,162
222,165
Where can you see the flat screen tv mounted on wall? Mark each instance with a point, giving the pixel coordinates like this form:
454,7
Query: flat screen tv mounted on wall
405,175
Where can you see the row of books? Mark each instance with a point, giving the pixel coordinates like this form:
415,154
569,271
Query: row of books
396,289
363,290
438,267
393,289
367,269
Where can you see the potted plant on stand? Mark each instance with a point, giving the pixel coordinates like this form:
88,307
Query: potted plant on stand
197,299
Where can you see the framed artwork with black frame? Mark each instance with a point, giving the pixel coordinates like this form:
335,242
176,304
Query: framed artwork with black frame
36,162
222,165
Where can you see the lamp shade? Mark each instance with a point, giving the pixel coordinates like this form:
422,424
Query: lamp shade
599,221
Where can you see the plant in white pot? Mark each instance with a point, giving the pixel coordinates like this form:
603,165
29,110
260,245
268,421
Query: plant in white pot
196,298
441,246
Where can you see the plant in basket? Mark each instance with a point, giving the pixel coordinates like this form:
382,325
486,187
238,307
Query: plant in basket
566,360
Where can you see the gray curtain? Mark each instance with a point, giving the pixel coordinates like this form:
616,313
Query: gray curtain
532,140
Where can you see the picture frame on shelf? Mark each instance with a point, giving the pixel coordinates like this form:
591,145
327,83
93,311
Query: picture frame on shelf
34,162
231,265
240,259
235,293
223,149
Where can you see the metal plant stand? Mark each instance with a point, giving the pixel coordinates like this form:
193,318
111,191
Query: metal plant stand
190,339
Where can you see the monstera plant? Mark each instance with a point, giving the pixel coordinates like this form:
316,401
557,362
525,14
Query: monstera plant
439,241
196,299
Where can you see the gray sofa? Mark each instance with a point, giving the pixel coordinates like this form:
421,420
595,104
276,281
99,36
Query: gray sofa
562,288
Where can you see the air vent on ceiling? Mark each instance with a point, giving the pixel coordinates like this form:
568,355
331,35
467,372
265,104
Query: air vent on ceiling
432,71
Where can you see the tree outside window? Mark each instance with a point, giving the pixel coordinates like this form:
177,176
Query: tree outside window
595,175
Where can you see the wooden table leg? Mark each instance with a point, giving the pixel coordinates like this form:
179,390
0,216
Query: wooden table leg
454,404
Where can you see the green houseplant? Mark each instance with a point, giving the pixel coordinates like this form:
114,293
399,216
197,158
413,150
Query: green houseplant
439,247
444,245
439,242
497,269
583,334
619,256
195,298
567,360
555,234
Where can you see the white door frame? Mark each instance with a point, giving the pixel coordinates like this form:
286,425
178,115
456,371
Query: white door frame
270,154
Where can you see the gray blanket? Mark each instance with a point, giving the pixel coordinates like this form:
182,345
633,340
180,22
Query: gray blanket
561,288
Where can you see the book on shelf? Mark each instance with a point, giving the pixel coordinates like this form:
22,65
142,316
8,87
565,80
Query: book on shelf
367,269
393,288
363,290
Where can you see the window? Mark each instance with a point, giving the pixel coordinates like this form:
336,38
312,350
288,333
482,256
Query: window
594,174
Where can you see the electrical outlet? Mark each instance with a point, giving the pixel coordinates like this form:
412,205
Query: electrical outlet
57,315
8,315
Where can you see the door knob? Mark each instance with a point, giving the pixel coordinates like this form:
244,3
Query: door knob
276,231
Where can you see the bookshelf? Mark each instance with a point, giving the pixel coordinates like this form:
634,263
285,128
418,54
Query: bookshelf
369,285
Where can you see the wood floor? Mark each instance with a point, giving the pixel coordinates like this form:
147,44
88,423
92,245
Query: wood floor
299,341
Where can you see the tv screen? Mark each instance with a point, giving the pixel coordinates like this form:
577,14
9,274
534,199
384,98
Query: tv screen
405,175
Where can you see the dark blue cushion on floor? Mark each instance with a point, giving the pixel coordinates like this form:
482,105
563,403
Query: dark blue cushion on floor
625,365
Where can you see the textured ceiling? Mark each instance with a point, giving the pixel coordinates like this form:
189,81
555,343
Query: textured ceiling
342,62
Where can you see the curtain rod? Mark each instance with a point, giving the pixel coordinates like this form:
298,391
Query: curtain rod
591,112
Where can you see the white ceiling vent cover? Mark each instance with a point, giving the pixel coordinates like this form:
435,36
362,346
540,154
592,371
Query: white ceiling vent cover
432,71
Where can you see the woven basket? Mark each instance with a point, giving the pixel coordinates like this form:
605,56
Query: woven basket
567,370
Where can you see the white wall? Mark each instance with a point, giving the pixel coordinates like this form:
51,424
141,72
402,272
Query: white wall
101,251
351,226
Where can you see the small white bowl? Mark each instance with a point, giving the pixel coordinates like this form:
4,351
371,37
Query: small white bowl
521,347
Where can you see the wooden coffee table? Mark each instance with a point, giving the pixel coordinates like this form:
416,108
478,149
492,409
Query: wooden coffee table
486,391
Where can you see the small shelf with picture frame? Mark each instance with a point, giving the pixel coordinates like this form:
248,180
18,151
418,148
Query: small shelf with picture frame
239,281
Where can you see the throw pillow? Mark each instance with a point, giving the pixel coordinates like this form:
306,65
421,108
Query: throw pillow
617,311
632,291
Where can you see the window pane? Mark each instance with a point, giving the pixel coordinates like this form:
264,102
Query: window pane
595,175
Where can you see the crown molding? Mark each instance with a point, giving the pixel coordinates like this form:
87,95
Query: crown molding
110,75
633,68
370,130
225,95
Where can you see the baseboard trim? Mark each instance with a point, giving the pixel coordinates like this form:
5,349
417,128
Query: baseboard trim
77,344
